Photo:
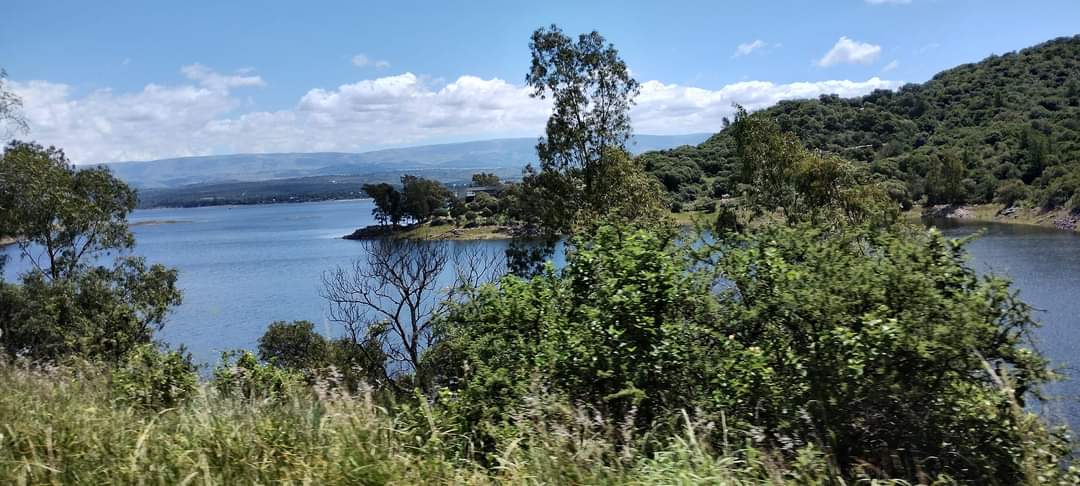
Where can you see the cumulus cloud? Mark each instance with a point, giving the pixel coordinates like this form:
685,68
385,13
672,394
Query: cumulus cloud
891,66
362,60
847,51
205,116
213,80
672,109
749,47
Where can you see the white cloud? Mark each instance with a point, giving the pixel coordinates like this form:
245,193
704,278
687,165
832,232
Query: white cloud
749,47
850,51
673,109
362,60
205,117
209,78
891,66
888,2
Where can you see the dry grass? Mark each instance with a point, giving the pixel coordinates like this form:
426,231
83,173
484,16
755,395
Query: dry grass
64,426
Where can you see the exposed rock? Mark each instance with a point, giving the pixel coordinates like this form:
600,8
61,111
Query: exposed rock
954,211
1068,222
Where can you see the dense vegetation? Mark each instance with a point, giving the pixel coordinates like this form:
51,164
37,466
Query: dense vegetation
1006,129
806,337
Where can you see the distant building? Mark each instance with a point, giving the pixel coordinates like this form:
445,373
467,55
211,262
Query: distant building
471,192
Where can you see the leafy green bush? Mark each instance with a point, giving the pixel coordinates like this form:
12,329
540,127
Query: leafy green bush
149,377
878,342
240,375
879,347
294,345
1011,192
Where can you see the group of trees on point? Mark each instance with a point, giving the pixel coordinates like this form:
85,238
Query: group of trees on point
418,200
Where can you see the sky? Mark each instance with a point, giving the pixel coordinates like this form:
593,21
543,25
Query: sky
134,80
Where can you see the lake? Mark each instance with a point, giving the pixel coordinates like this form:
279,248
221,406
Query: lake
244,267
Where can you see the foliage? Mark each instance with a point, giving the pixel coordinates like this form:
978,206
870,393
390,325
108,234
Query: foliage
73,215
98,313
1007,117
879,347
592,93
388,205
11,116
239,375
781,175
485,179
66,220
293,345
884,347
422,197
419,199
155,379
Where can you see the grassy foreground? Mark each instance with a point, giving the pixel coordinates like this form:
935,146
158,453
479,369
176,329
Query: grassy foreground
65,426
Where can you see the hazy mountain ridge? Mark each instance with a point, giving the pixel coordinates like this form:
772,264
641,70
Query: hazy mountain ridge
489,155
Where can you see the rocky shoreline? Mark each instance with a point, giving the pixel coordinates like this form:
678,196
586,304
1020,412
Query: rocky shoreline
1060,219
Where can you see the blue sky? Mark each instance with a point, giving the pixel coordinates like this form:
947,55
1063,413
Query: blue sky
135,80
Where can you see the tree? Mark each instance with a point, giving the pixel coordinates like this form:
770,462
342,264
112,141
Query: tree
70,215
945,180
881,347
11,116
592,92
388,301
391,295
779,174
97,312
388,204
485,179
293,345
421,197
67,221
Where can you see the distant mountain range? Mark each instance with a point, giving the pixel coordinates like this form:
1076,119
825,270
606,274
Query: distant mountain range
505,156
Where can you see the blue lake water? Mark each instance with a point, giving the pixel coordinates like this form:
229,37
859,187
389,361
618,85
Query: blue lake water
244,267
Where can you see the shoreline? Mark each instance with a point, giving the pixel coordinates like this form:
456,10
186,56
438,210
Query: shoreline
1059,219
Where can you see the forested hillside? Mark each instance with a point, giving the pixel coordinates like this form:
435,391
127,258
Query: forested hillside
1006,129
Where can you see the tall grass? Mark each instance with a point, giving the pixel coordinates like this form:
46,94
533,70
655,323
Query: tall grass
66,426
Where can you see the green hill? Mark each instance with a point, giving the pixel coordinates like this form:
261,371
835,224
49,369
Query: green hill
1005,129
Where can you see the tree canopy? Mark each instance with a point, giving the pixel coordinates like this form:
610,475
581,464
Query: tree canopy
968,135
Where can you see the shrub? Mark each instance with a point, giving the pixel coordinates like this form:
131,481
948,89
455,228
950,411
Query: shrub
240,375
293,345
882,347
1011,192
149,377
